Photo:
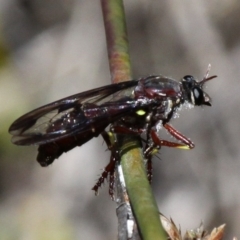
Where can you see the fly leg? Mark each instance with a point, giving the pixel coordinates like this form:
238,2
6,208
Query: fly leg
114,159
110,168
187,143
150,147
148,154
159,142
149,150
153,148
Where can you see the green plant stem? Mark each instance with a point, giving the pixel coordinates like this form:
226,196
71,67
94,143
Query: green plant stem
140,194
117,42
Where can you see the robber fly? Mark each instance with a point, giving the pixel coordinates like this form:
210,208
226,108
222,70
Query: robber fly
131,107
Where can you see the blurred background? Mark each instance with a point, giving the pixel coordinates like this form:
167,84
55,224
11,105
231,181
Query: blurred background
50,49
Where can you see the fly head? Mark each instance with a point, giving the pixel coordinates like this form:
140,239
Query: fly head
193,90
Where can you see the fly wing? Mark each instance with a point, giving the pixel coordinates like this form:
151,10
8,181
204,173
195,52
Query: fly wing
71,115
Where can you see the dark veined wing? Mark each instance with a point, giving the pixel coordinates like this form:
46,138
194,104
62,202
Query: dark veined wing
65,117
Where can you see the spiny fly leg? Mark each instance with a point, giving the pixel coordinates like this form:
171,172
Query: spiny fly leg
108,171
112,145
150,150
115,159
110,168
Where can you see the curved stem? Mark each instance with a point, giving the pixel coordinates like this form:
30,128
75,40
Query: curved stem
139,191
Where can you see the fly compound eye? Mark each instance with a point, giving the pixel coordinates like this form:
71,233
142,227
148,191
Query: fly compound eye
199,97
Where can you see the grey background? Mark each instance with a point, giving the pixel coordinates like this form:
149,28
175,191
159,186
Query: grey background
57,48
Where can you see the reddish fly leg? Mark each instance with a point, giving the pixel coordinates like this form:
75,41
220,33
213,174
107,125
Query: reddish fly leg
187,143
110,168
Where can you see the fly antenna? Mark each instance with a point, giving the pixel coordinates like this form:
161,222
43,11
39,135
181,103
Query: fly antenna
206,78
208,70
